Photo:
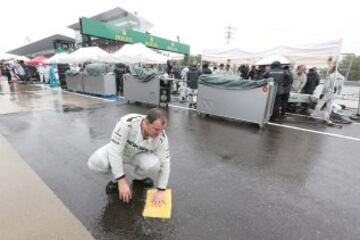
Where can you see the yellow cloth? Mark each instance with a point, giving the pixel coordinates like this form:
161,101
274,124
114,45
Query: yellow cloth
164,211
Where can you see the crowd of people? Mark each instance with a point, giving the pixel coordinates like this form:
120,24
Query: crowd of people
18,71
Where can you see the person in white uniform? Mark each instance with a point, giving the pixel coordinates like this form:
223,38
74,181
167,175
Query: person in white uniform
139,141
183,87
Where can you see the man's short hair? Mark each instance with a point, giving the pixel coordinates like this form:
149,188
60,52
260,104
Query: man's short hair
155,114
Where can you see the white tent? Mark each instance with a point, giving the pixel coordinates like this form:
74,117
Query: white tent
9,56
138,52
235,55
57,58
312,54
171,55
269,59
89,54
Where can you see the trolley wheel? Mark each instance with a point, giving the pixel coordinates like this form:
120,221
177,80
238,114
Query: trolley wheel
202,115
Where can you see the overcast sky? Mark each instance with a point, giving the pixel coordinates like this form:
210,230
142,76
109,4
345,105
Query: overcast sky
259,24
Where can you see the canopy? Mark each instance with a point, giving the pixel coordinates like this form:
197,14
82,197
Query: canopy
9,56
138,52
234,55
171,55
89,54
37,60
306,54
57,58
269,59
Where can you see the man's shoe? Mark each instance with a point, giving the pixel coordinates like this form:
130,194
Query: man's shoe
112,188
146,182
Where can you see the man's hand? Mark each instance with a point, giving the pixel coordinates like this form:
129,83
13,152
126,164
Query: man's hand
158,198
124,190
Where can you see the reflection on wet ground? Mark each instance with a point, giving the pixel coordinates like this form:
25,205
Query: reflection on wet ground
116,214
17,97
230,180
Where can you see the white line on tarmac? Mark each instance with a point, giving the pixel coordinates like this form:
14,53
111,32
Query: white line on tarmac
313,131
292,127
304,116
185,108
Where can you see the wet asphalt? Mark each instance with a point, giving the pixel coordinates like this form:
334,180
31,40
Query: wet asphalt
230,180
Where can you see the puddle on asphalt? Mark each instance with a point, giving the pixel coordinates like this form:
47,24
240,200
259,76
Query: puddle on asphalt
71,108
125,221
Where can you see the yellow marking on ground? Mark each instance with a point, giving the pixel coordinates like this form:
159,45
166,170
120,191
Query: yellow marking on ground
164,211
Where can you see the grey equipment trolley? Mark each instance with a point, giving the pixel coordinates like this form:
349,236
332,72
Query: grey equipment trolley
251,105
154,91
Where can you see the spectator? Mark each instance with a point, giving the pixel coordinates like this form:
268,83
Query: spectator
205,69
192,85
220,69
299,79
283,80
312,80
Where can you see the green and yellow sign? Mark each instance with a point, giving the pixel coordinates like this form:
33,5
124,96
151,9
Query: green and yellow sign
108,31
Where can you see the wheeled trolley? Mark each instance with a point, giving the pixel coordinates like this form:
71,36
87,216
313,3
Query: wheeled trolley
155,91
253,105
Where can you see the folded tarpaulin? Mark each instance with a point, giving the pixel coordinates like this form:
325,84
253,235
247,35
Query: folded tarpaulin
144,74
96,69
231,82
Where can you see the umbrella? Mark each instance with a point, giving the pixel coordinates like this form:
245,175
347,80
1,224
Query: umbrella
37,60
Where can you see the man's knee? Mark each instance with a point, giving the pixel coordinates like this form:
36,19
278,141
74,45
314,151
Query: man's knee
98,161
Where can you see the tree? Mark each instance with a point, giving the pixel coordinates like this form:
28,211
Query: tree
194,59
354,73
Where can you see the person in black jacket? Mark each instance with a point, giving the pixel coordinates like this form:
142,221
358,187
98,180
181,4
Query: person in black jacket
283,80
192,85
6,72
313,79
206,69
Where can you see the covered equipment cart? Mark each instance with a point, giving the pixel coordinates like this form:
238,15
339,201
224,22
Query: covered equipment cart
146,86
99,80
232,97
